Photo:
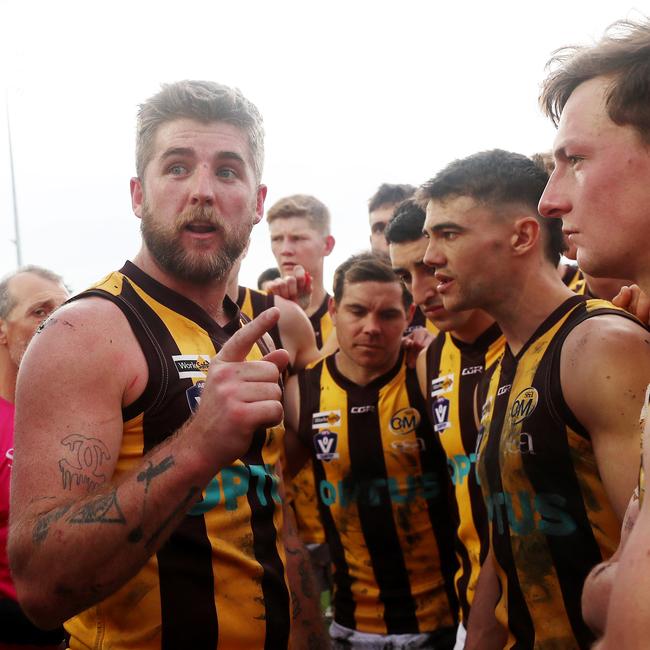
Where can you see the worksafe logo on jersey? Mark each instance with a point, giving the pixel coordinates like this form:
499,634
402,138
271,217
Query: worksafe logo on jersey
524,405
191,366
440,411
325,442
325,419
404,421
193,395
442,384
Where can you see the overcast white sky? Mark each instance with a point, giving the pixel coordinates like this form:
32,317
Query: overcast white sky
353,94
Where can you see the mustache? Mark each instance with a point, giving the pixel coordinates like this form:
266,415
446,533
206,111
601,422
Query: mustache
199,214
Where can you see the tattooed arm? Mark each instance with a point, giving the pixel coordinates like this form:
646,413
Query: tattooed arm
79,529
308,629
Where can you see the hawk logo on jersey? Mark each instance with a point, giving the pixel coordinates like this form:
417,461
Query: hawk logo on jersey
193,395
404,421
325,419
440,409
524,405
442,384
325,444
191,366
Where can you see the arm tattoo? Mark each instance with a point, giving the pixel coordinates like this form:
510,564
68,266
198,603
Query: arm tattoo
103,509
152,471
181,507
44,521
84,467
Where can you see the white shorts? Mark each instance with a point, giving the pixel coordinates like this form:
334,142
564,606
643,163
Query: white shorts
348,638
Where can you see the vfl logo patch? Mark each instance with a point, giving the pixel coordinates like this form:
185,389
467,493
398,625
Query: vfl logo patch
325,419
191,366
404,421
442,384
325,442
440,409
193,395
524,405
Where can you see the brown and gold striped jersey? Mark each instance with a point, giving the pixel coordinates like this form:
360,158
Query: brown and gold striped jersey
219,580
383,490
454,370
550,519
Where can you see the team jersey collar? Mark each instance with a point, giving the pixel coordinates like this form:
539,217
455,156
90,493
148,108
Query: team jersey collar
550,320
180,304
375,384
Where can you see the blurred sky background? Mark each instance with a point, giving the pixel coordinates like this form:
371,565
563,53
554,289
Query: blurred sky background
353,94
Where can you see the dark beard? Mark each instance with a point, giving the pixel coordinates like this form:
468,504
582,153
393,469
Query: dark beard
166,248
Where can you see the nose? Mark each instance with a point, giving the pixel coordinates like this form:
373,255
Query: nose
422,287
554,202
286,247
371,324
433,256
203,186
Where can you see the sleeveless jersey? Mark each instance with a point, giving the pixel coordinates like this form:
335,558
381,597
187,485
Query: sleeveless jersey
550,519
454,370
219,580
300,490
252,303
382,488
321,321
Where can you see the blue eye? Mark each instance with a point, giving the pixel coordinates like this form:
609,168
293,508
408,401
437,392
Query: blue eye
226,173
178,170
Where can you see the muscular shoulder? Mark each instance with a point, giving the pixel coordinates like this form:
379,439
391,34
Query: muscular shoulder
89,338
607,337
605,366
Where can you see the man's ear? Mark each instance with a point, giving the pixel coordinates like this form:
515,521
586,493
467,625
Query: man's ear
3,331
137,196
259,203
329,245
525,236
331,308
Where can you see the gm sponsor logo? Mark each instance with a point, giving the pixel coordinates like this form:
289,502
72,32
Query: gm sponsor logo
191,366
524,405
404,421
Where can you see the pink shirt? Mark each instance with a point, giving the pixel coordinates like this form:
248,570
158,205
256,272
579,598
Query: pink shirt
7,589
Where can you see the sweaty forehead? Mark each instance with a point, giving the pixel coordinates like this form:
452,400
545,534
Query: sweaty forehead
205,138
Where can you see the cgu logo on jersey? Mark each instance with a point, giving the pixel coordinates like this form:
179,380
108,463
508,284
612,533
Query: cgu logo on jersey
325,442
472,370
191,366
404,421
193,395
325,419
524,405
357,410
442,384
440,411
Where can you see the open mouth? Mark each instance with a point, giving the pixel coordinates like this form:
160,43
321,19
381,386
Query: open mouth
200,227
444,282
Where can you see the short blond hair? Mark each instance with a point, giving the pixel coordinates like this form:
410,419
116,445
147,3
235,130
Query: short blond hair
302,205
